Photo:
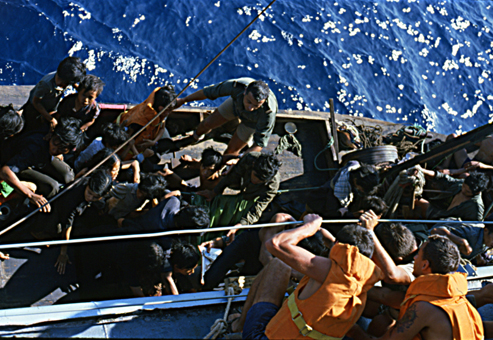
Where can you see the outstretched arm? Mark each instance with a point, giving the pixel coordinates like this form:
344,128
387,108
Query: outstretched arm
198,95
284,247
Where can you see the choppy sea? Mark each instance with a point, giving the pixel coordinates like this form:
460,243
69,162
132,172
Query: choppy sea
407,61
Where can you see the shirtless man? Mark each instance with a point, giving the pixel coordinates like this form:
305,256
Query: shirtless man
482,160
435,306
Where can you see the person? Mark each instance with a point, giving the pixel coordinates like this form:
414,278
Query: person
34,159
82,105
46,95
328,300
435,306
137,117
256,175
249,100
463,199
183,259
471,239
127,197
345,191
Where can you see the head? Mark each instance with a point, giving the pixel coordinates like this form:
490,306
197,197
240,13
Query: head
397,240
365,178
488,235
255,96
163,97
11,122
67,136
70,71
192,217
265,168
210,163
114,135
112,164
89,89
184,258
475,183
315,244
358,236
151,186
98,186
438,255
152,257
376,204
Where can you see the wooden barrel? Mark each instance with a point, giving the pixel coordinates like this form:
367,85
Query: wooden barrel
375,155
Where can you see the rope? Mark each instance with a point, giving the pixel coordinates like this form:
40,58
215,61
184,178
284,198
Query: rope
329,144
209,230
221,325
144,127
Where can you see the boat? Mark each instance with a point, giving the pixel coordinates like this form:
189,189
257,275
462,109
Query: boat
37,302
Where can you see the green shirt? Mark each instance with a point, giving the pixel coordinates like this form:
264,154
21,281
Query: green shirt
49,93
239,178
262,120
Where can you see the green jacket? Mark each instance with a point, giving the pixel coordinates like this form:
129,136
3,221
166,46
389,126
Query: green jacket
262,119
239,178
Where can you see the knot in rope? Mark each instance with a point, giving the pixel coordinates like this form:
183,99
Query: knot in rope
221,325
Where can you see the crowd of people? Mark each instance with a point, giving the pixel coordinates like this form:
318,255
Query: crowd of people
54,140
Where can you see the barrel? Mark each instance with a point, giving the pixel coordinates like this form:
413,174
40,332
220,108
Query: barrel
375,155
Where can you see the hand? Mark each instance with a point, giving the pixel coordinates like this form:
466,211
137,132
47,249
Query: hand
231,234
4,256
120,222
40,201
53,124
232,161
165,172
473,165
465,248
61,263
175,193
186,159
208,194
310,218
179,102
369,220
146,143
207,245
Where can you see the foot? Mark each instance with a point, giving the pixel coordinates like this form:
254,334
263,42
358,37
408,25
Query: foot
233,321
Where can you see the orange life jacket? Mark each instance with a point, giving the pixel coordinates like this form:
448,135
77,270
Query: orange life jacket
338,303
449,293
141,114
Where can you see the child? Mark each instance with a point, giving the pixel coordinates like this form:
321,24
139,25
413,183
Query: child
82,105
45,96
183,260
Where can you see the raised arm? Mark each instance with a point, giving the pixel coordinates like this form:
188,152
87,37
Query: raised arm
198,95
284,247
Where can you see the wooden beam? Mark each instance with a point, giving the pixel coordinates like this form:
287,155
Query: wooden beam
334,128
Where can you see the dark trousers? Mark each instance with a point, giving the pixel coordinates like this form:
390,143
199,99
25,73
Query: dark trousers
246,246
49,179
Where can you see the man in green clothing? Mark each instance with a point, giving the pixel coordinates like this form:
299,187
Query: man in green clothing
250,100
257,177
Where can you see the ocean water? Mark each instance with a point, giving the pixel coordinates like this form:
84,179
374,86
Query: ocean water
407,61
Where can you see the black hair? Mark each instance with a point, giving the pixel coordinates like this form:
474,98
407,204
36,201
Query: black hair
164,96
211,157
358,236
397,239
184,255
477,182
266,166
258,89
100,182
489,227
442,254
114,135
366,176
153,186
11,122
68,133
315,244
192,217
99,156
71,70
374,203
91,83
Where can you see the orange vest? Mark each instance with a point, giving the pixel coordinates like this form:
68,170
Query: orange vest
449,293
141,114
338,303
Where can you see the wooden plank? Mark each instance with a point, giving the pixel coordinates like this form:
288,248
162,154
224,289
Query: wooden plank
333,124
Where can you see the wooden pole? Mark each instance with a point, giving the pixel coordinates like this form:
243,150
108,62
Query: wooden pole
334,128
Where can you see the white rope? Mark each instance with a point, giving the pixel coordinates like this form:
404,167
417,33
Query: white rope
221,325
208,230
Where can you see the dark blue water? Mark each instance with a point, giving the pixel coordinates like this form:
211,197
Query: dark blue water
403,61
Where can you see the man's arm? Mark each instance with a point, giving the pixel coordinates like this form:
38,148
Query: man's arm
267,233
87,125
49,116
284,247
393,273
386,296
462,243
198,95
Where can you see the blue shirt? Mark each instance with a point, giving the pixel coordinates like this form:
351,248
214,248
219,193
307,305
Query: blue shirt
159,218
474,234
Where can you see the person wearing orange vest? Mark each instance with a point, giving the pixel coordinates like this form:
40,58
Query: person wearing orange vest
329,299
435,305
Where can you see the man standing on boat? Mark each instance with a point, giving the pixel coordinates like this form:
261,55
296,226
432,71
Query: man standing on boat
249,100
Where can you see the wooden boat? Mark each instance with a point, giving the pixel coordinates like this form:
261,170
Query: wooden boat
37,302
